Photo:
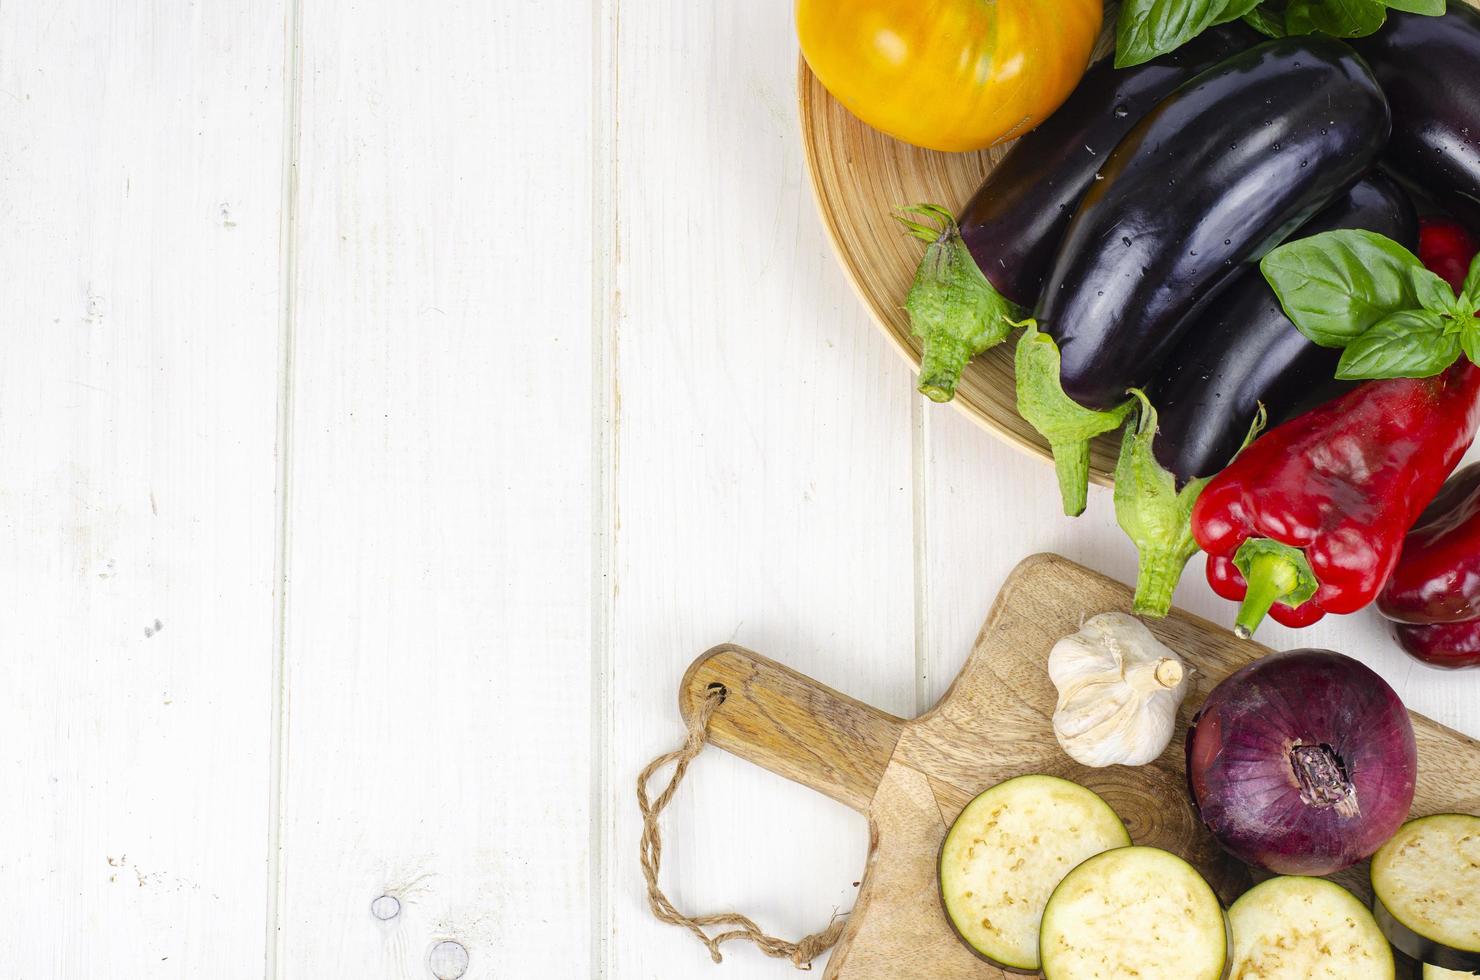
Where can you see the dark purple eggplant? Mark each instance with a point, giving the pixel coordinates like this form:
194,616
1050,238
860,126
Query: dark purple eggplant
1243,351
995,258
1430,69
1241,361
1215,176
1421,880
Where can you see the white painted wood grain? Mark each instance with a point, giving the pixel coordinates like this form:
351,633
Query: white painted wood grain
438,640
565,388
763,488
139,191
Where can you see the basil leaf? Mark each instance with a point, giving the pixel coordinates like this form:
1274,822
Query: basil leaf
1410,344
1339,18
1431,8
1234,9
1148,28
1337,285
1434,293
1270,23
1472,286
1469,339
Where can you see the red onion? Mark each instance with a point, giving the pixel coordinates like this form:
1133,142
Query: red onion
1302,762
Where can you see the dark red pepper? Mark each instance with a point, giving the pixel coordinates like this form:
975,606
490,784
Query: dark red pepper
1446,247
1447,645
1314,512
1437,579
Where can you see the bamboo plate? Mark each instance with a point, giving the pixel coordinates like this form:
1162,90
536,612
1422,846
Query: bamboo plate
859,176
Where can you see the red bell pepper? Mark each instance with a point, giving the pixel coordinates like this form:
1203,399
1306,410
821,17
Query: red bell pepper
1447,645
1437,579
1314,512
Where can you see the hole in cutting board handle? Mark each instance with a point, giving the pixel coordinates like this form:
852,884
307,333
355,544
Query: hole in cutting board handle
724,692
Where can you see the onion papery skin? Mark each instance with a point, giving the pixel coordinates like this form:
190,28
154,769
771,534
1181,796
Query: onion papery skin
1302,763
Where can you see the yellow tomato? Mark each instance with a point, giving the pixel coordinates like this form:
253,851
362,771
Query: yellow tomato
950,74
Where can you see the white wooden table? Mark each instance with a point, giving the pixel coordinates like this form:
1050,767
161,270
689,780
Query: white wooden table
395,398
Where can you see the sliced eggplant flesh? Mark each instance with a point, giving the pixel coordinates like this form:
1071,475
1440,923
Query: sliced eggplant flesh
1008,850
1432,972
1295,928
1426,890
1134,912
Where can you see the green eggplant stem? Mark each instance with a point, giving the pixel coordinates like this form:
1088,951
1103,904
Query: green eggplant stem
1157,575
954,310
1071,466
943,359
1154,512
1067,426
1271,577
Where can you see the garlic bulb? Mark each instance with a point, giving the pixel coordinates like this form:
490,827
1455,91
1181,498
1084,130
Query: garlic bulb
1119,691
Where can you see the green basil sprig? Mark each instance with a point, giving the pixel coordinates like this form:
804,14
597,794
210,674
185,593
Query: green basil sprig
1148,28
1366,293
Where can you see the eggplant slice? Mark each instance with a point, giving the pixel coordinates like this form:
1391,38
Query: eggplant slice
1296,928
1134,912
1007,851
1426,890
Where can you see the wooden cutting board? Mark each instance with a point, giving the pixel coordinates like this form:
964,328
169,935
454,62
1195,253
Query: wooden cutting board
911,778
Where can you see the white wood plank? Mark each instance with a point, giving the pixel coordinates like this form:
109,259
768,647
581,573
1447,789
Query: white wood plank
439,526
140,165
763,488
988,506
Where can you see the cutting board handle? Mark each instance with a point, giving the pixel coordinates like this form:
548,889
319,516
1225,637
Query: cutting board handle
792,725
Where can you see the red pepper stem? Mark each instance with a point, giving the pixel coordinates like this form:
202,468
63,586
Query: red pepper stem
1271,577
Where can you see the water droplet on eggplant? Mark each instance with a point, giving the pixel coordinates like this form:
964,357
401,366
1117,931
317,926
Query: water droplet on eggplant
1121,111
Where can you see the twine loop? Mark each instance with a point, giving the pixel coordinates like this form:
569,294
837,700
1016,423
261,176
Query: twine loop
802,952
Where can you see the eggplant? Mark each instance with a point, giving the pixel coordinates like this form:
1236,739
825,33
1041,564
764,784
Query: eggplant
1293,926
1242,351
977,270
1134,912
1424,889
1241,364
1220,172
1430,69
1006,852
